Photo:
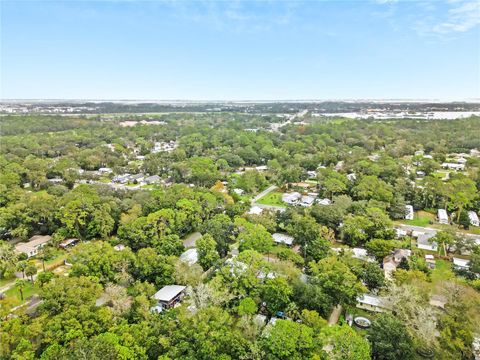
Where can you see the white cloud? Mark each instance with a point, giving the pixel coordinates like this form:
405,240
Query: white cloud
460,18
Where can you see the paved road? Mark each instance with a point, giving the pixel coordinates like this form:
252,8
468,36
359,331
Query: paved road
264,192
432,230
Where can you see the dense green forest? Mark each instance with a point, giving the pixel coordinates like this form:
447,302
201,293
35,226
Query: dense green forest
135,196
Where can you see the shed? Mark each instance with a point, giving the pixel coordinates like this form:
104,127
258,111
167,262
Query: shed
442,216
461,264
190,256
372,303
280,238
408,212
472,215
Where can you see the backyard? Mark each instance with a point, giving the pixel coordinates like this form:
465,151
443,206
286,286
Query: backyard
273,198
421,218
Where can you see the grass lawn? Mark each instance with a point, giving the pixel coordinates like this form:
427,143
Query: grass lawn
4,282
421,218
28,291
273,198
418,221
442,271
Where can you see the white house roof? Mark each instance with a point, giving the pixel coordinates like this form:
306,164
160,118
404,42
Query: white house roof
168,293
255,210
324,201
460,262
472,215
423,242
307,200
34,243
442,214
291,197
371,300
190,256
282,238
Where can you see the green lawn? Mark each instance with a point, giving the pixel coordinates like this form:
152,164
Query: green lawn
443,271
440,174
418,221
273,198
28,291
421,218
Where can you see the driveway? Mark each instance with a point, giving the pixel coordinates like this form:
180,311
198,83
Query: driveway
264,192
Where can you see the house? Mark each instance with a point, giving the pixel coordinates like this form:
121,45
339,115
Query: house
311,174
121,179
68,243
391,262
400,232
453,166
430,260
399,254
424,242
371,303
420,173
255,210
239,192
307,200
461,264
137,178
352,177
105,170
167,297
280,238
472,215
324,201
291,198
33,245
442,216
408,212
154,179
190,256
119,247
262,168
362,254
166,146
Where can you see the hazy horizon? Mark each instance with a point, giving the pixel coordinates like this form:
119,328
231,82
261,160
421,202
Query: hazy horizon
224,51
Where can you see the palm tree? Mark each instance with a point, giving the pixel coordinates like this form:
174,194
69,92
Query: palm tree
31,270
21,266
21,284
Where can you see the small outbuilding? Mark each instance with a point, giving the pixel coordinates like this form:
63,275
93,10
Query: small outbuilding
68,243
285,239
442,216
472,215
461,264
371,303
190,256
408,212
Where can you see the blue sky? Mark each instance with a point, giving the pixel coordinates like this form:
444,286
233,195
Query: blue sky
240,50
